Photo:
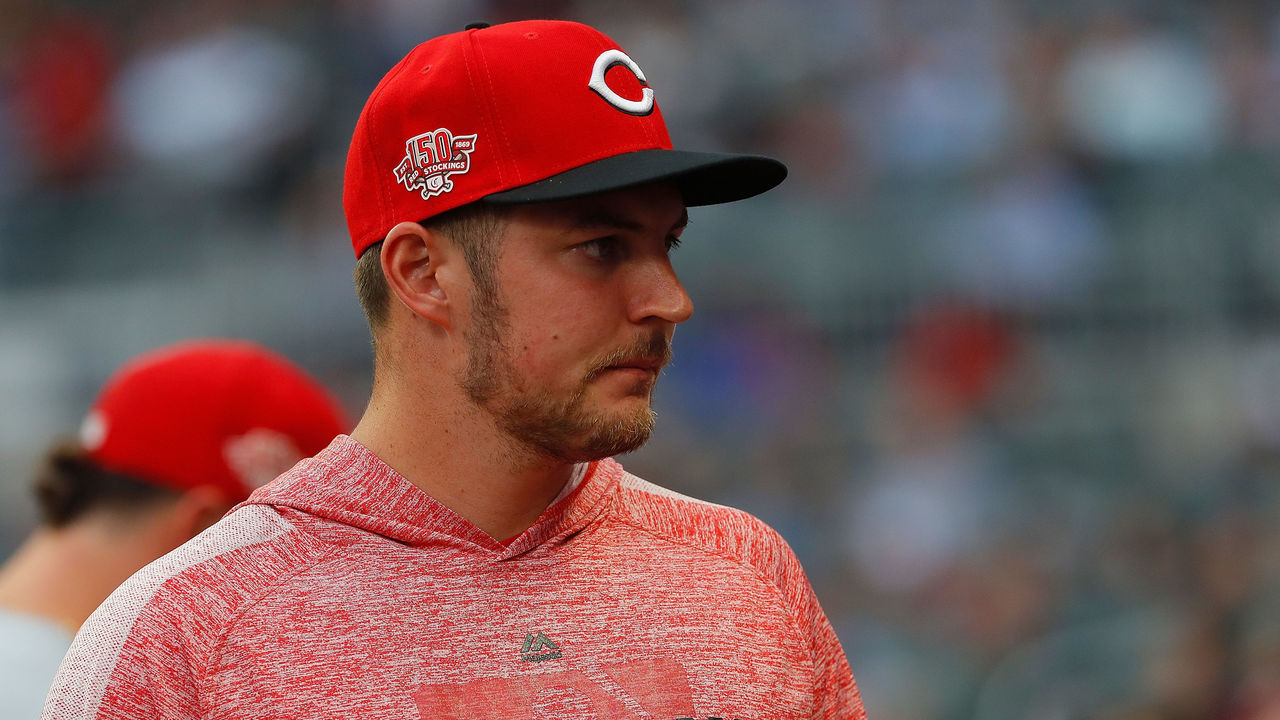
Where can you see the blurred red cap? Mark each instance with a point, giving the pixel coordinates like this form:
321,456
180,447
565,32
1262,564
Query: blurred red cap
223,413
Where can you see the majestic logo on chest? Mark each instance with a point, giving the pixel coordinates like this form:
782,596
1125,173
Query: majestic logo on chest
539,647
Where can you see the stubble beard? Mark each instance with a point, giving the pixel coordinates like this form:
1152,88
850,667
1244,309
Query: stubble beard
558,428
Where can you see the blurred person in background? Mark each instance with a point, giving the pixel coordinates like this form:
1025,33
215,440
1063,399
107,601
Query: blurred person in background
176,437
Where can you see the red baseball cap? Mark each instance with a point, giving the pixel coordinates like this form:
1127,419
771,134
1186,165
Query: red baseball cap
520,112
223,413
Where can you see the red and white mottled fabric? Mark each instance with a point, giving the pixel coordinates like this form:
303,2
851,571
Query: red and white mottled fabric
341,590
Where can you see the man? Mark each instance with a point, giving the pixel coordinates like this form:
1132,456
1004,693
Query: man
471,550
174,439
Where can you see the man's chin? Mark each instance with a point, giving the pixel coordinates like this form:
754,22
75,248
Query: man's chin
619,436
598,425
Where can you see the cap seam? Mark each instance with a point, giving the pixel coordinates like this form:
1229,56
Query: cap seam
495,121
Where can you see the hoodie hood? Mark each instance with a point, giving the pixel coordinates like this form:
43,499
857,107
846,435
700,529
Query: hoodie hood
348,484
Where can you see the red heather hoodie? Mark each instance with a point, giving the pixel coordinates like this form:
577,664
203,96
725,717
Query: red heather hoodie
341,590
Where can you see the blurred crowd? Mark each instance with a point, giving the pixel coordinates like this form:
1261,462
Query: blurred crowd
1001,360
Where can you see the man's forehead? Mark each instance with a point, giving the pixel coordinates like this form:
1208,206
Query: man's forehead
595,217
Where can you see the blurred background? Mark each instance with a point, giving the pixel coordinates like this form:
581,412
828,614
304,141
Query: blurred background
1001,360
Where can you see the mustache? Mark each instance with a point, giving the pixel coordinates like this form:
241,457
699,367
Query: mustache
654,349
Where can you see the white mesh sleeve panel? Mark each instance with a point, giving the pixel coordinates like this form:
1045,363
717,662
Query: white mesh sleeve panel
87,669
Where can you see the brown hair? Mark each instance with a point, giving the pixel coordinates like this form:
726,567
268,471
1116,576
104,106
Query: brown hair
475,228
69,485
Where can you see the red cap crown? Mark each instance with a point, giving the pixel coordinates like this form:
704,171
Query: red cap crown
228,414
485,110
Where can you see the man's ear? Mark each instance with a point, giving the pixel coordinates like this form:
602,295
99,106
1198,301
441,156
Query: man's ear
195,509
412,260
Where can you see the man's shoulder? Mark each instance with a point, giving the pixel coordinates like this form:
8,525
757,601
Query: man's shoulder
162,626
717,529
211,577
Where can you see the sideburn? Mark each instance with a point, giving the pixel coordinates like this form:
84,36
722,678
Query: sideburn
480,381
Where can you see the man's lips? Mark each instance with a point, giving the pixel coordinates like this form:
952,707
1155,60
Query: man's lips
648,364
644,358
638,370
641,368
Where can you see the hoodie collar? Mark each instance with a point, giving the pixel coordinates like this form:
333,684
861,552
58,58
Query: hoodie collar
347,483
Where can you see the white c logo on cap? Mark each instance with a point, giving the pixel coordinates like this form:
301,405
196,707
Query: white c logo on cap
608,59
259,455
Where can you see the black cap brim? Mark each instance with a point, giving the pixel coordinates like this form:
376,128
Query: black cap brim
703,178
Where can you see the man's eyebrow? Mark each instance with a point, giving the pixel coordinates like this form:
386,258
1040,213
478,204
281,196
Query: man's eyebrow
604,217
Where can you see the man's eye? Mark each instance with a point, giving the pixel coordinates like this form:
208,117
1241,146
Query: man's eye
673,242
605,248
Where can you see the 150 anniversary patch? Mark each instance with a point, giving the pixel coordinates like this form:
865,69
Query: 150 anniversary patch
432,158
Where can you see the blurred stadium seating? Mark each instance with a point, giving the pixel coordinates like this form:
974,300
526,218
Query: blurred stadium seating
1001,359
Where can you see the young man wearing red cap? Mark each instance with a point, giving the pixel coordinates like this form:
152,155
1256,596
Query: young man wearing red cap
471,550
175,438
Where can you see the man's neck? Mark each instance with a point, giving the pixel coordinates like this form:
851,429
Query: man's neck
63,575
465,462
